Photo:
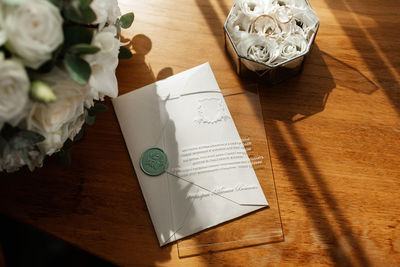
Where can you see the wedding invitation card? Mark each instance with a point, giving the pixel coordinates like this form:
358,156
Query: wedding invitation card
190,161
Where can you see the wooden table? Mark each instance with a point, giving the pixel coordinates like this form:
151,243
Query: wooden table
333,131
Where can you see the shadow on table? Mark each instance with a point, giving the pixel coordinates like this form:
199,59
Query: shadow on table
302,96
290,102
25,246
375,44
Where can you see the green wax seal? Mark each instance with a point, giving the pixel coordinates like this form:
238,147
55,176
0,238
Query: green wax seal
154,161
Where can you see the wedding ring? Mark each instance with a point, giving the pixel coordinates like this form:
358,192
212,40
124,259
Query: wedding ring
283,14
264,24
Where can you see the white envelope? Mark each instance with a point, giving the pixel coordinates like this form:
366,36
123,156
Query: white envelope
209,179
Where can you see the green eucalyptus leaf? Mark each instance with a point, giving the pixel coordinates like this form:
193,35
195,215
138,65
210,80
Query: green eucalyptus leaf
23,153
67,144
79,11
88,14
90,119
32,137
97,109
19,143
41,92
48,65
126,20
80,49
73,14
84,3
79,135
77,35
78,69
124,53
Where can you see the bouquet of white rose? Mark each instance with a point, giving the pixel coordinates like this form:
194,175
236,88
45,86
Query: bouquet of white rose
56,58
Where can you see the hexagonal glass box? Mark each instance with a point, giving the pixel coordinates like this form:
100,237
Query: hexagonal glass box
286,18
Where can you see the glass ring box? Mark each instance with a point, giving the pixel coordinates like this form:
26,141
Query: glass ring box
270,43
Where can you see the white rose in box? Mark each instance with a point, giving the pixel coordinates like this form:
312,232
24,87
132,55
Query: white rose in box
293,46
14,87
269,39
34,30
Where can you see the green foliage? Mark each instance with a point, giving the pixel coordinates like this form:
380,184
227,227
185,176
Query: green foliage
93,112
97,109
76,34
124,53
78,69
67,144
281,3
23,142
48,66
64,154
80,49
78,11
79,135
77,42
126,20
90,120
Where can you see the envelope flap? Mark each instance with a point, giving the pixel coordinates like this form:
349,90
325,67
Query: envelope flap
202,80
194,81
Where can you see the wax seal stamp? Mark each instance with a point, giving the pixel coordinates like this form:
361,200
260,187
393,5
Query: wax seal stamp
154,161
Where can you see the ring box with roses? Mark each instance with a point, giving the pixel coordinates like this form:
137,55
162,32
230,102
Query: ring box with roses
270,39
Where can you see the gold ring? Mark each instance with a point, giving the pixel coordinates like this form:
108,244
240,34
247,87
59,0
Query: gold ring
266,23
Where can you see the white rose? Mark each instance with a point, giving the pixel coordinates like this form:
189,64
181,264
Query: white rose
54,141
14,90
292,46
259,49
34,30
309,19
106,11
59,120
251,8
238,26
103,64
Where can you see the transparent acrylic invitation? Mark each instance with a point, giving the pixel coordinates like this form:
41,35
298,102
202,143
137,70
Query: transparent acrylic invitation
259,227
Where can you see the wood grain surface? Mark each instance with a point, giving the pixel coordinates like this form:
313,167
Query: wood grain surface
333,133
